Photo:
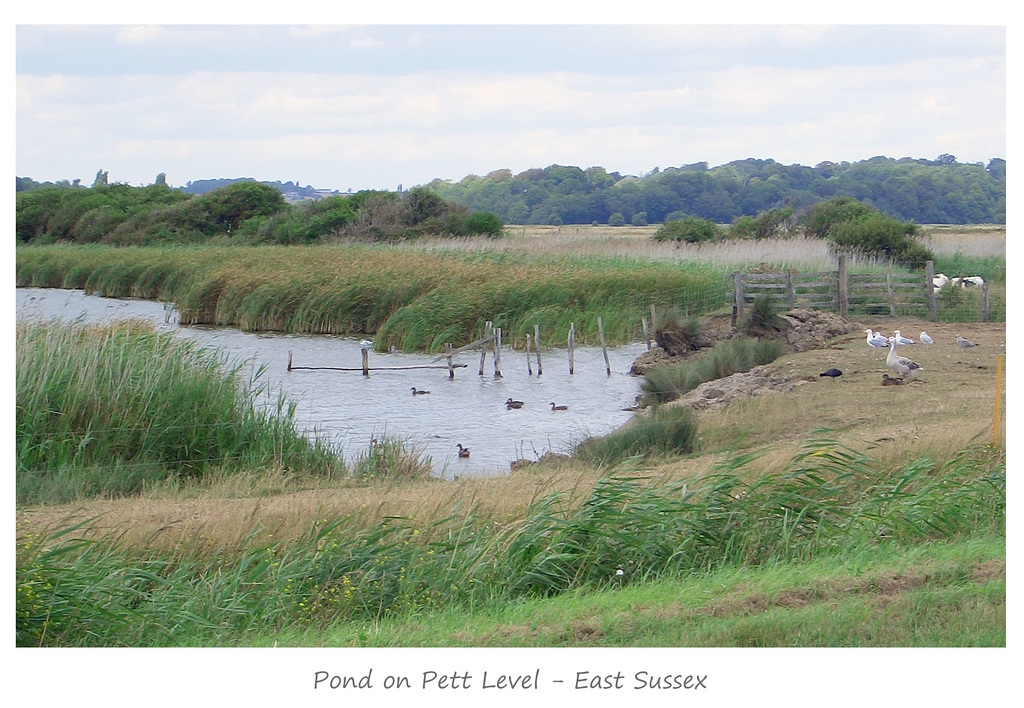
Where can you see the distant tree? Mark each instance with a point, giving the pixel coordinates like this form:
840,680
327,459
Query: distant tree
161,179
101,179
617,219
639,219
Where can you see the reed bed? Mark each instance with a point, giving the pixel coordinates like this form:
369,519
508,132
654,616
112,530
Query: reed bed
828,498
659,432
410,299
110,410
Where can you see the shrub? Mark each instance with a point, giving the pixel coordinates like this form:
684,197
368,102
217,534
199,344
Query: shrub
819,220
692,229
879,235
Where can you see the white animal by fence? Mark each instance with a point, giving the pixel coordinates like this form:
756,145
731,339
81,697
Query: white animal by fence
971,281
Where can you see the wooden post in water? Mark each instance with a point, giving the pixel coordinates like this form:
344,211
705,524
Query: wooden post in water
497,353
647,332
451,369
529,366
572,346
536,347
483,349
289,360
366,361
600,331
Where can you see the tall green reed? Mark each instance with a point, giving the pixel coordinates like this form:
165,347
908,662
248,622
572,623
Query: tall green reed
108,409
410,298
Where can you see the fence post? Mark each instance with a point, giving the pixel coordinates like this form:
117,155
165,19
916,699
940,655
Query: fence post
929,288
572,346
984,302
497,353
737,308
483,349
843,287
647,332
604,349
891,291
790,292
536,347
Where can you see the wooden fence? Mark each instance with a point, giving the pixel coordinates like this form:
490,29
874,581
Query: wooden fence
885,293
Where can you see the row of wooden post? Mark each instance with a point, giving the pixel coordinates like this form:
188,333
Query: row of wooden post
492,340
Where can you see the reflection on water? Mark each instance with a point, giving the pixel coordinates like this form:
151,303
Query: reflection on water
351,409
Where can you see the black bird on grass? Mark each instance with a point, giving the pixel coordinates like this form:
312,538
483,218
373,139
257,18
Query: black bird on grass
832,373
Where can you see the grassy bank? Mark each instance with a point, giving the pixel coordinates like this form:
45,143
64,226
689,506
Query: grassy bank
411,299
77,589
941,594
111,410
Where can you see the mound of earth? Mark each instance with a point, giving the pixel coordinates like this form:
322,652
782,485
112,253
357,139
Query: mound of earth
802,329
759,381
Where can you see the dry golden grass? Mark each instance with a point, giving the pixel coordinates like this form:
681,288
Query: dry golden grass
635,242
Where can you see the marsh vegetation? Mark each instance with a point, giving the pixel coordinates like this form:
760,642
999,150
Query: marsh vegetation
272,540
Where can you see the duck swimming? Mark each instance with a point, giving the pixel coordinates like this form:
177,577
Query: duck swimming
463,451
558,408
418,393
510,404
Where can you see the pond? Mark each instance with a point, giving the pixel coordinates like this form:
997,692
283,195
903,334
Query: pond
351,409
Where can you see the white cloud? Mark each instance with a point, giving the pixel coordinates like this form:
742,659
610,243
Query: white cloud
795,94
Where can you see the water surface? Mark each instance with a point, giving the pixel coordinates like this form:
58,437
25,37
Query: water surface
350,409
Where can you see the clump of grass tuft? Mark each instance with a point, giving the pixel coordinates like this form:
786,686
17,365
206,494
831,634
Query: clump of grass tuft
668,382
390,458
761,319
664,431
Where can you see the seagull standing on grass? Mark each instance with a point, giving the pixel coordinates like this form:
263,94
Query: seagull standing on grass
900,364
926,339
903,341
876,339
964,343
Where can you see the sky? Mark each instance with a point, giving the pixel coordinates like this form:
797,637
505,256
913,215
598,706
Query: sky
378,105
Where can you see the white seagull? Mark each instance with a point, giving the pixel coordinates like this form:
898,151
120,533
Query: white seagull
876,339
903,341
964,343
900,364
926,339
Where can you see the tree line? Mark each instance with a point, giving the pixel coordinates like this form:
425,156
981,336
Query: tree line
940,191
243,211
